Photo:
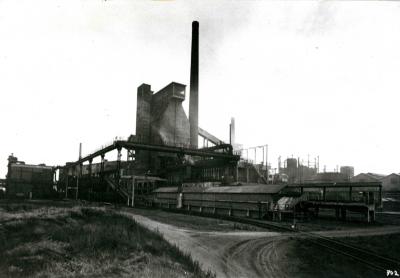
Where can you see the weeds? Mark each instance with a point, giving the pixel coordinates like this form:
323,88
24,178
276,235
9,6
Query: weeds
89,242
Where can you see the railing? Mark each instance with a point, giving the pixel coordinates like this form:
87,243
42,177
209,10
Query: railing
108,143
159,141
145,140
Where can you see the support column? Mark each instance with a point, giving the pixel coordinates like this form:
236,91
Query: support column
236,173
90,178
102,166
78,175
54,176
133,192
118,174
66,183
372,217
350,193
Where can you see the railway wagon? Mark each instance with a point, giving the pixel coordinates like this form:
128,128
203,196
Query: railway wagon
250,200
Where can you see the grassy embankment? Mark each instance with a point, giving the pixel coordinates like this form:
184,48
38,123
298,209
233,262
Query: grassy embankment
84,242
314,261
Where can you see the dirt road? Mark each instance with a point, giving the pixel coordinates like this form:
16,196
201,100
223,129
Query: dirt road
228,254
242,253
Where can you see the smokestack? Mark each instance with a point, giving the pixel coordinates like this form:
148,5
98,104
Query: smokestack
194,87
232,131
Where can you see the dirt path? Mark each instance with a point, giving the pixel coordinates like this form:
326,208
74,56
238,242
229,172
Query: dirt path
228,254
243,253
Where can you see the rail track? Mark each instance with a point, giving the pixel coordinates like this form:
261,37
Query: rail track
366,257
249,221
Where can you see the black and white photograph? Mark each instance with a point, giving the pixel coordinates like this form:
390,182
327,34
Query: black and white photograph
199,139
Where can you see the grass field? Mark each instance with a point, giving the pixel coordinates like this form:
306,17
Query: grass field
320,262
39,240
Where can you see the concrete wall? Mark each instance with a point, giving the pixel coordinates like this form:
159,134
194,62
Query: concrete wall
160,119
143,117
172,127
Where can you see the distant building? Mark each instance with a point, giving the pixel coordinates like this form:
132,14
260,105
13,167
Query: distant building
348,171
391,182
328,177
296,172
367,177
27,180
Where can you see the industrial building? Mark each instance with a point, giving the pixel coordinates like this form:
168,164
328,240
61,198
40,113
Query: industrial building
166,166
367,177
296,172
328,177
28,180
276,201
391,182
164,148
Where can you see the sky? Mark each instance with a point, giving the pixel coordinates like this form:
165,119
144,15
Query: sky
308,78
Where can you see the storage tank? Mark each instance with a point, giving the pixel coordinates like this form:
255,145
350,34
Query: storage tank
291,163
348,171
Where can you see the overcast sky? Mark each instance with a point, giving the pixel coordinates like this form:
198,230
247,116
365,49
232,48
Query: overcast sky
318,78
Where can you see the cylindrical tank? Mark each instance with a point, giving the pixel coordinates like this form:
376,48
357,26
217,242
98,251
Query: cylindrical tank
348,171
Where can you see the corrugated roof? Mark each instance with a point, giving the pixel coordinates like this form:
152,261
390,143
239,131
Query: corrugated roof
166,189
248,188
375,175
392,174
14,165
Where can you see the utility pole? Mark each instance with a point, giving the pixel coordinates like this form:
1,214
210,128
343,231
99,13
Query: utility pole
266,158
79,173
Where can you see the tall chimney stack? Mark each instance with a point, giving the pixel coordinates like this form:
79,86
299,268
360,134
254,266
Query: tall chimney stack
194,87
232,131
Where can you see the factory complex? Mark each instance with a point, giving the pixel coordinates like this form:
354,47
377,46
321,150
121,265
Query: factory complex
173,163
